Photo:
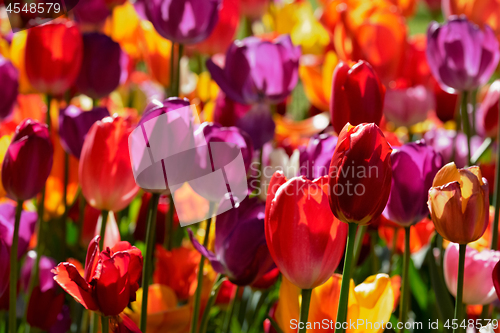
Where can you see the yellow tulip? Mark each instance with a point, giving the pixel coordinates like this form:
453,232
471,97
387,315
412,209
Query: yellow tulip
371,301
123,26
17,50
164,314
297,19
459,203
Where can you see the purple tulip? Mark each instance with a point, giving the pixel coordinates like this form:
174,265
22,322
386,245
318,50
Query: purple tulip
315,158
8,93
91,11
26,227
45,276
227,112
74,125
183,21
407,106
259,125
241,251
102,66
164,131
461,55
258,71
28,161
442,142
414,166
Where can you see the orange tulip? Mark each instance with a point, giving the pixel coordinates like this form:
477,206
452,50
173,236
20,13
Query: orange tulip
156,50
105,171
458,203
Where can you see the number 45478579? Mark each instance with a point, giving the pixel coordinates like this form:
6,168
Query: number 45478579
34,8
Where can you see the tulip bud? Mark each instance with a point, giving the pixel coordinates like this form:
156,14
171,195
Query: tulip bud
478,284
74,125
304,238
101,69
357,95
453,47
175,20
53,56
414,166
28,161
105,173
360,167
8,93
458,203
445,103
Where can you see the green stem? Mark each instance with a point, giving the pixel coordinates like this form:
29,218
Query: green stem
275,325
178,71
94,322
346,278
304,309
485,314
496,194
210,303
473,102
232,306
393,250
13,270
358,243
172,70
460,286
95,102
403,308
104,324
81,215
169,224
104,215
48,116
199,279
148,258
465,124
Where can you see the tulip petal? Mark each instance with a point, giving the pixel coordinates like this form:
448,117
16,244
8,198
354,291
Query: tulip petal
68,277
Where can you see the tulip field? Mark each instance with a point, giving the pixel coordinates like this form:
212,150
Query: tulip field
249,166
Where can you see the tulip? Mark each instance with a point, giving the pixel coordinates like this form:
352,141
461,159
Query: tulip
478,284
306,246
227,112
315,158
241,252
223,34
105,173
110,279
372,302
357,95
420,235
92,12
259,124
489,109
4,261
458,203
102,66
53,56
407,106
362,160
461,55
8,94
414,166
167,127
258,71
359,150
163,310
177,269
442,141
28,161
157,53
445,103
184,21
74,125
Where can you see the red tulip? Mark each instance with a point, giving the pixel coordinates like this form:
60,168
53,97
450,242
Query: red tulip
110,280
44,307
445,102
105,172
360,174
28,161
489,109
357,95
53,56
304,238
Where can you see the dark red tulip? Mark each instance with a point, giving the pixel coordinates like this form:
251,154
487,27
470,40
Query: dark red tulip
110,280
357,95
44,307
53,56
304,238
10,84
28,161
489,109
444,102
360,174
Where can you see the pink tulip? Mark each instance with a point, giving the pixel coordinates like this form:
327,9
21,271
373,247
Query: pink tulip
478,282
